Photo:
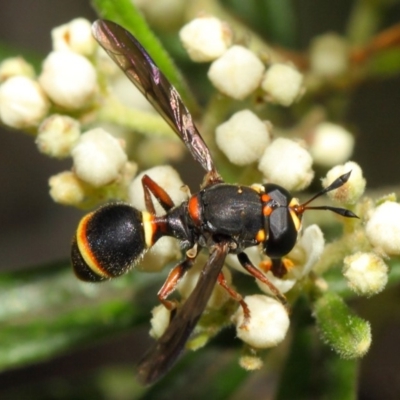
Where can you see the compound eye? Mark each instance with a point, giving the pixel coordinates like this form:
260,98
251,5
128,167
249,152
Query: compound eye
282,233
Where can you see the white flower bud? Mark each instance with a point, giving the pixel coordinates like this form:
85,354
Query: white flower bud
251,362
165,250
22,102
98,157
287,163
205,39
237,73
352,190
67,189
329,56
69,79
331,144
57,135
283,84
243,138
75,36
166,177
15,66
269,322
383,228
160,321
219,295
366,273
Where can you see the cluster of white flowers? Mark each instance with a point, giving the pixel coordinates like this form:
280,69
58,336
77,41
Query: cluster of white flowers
366,271
235,70
68,79
246,139
68,84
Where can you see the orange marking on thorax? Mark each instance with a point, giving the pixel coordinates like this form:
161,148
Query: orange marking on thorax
267,210
194,209
265,198
260,237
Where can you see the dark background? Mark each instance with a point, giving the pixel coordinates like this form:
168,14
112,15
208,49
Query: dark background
35,230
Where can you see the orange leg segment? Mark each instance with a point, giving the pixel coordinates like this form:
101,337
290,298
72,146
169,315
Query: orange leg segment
236,296
159,193
251,269
172,280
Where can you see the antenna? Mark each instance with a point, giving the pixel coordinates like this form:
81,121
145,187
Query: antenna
334,185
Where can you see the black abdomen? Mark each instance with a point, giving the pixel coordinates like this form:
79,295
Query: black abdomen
108,242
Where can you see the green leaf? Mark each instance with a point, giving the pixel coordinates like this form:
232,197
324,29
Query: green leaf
46,310
124,13
347,334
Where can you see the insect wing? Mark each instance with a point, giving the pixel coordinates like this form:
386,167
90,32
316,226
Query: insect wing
160,358
139,67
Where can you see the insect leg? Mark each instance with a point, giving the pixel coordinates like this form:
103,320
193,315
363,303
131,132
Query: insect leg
163,354
159,193
251,269
278,266
172,280
236,296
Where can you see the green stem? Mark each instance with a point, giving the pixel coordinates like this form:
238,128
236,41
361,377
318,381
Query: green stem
146,123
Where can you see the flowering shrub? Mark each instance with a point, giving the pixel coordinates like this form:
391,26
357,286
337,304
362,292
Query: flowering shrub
77,108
